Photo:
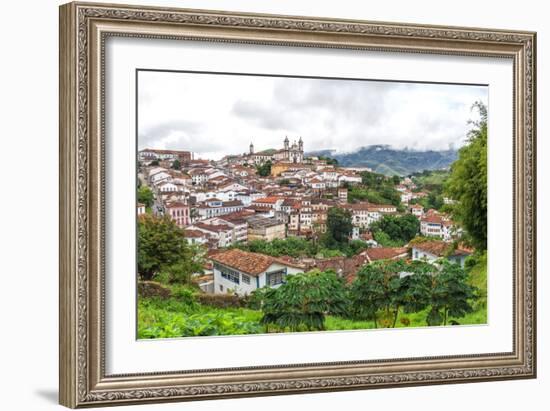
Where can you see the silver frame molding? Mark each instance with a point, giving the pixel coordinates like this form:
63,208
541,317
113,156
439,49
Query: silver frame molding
83,30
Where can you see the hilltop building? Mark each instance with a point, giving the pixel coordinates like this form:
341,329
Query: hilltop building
290,153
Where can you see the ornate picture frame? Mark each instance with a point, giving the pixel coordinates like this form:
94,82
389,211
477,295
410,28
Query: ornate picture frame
84,28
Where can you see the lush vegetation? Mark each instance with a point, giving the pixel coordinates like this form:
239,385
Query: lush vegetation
339,226
329,160
468,183
264,169
395,230
433,182
378,297
163,248
176,165
303,301
166,318
375,188
145,196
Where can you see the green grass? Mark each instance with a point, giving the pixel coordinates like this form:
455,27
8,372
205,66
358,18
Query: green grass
434,178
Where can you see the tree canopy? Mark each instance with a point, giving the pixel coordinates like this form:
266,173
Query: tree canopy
400,228
339,225
382,288
302,302
264,169
145,196
162,246
467,183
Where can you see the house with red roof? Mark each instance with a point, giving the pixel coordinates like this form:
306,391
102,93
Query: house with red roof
431,251
241,272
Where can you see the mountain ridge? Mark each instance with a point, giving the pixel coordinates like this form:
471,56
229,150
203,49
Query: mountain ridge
386,160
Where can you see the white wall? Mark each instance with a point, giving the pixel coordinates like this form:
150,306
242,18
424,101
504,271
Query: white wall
28,84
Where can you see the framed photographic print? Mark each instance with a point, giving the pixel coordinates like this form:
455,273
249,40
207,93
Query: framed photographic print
259,204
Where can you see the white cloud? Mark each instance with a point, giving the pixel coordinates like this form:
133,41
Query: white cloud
214,115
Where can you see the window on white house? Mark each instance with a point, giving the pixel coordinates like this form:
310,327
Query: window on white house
275,278
246,278
231,276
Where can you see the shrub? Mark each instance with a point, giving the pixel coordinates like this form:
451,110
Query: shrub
184,295
221,300
405,321
148,289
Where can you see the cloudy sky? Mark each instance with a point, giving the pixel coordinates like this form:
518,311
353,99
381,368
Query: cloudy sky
214,115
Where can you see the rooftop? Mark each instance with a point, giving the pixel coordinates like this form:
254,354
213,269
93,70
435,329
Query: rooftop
441,249
247,262
385,253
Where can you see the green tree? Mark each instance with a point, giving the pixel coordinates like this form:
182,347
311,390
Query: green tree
451,294
368,293
145,196
302,302
264,169
190,261
339,226
154,163
399,229
467,183
176,165
161,246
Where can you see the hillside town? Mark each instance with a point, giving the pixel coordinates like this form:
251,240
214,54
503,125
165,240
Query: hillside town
278,194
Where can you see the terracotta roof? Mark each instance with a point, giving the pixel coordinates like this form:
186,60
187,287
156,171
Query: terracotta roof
267,200
385,253
193,234
244,261
432,218
440,248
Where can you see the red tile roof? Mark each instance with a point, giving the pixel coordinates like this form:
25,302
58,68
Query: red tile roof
267,200
385,253
440,248
250,263
432,219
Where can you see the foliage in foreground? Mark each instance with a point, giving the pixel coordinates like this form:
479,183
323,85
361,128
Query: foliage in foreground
303,301
170,318
468,183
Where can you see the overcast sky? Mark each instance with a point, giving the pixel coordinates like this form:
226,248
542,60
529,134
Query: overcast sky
214,115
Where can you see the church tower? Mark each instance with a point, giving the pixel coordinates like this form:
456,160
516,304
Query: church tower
301,145
286,142
251,148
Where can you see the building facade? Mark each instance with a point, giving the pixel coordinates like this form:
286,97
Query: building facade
241,272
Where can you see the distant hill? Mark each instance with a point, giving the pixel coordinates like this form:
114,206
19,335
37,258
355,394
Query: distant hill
386,160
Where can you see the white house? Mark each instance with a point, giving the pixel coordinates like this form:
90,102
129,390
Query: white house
437,225
159,176
431,251
215,207
416,210
352,179
241,272
167,186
